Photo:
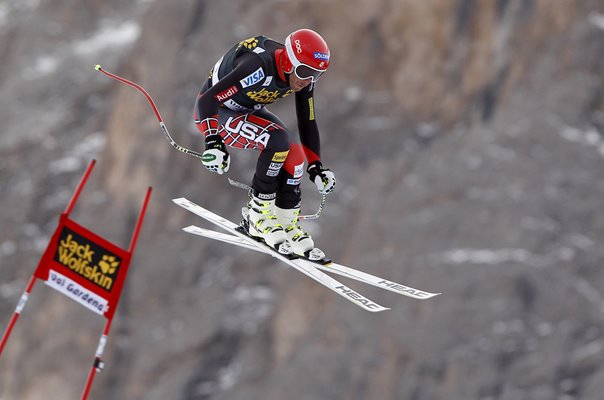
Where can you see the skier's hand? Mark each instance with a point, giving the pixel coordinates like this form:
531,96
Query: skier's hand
216,158
322,177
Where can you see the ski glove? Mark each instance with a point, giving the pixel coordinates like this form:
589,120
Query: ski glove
216,158
322,177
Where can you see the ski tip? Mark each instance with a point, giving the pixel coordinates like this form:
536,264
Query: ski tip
376,310
97,67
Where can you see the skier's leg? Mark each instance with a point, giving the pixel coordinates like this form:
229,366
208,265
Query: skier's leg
288,199
254,131
288,205
261,207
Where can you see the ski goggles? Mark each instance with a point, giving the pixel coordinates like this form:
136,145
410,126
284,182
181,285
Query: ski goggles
304,71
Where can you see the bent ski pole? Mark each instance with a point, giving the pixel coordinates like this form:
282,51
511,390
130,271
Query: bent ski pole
161,122
301,217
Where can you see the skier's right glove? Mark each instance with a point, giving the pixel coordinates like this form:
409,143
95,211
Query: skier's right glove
323,178
216,158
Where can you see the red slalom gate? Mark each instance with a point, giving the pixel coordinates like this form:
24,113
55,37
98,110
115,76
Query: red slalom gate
84,267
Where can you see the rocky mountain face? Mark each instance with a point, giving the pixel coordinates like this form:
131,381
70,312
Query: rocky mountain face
466,137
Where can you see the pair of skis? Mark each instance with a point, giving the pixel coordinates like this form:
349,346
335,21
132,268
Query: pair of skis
309,268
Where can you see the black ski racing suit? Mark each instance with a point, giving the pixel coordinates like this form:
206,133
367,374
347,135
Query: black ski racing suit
236,92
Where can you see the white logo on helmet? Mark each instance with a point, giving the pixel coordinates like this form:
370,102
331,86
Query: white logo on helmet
298,46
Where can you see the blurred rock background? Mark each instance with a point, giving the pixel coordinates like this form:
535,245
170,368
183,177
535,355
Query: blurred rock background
467,140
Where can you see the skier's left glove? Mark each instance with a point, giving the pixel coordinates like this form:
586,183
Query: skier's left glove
322,177
216,158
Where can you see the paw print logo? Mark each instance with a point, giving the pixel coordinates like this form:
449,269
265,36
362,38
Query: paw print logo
249,43
108,264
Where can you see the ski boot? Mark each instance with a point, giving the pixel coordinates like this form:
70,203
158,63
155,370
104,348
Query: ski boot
260,223
300,241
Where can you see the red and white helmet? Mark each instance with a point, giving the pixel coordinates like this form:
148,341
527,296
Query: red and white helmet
306,53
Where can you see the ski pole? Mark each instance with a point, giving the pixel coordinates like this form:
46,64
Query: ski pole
300,217
155,110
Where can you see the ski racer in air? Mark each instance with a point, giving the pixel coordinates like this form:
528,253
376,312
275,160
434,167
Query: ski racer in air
230,110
